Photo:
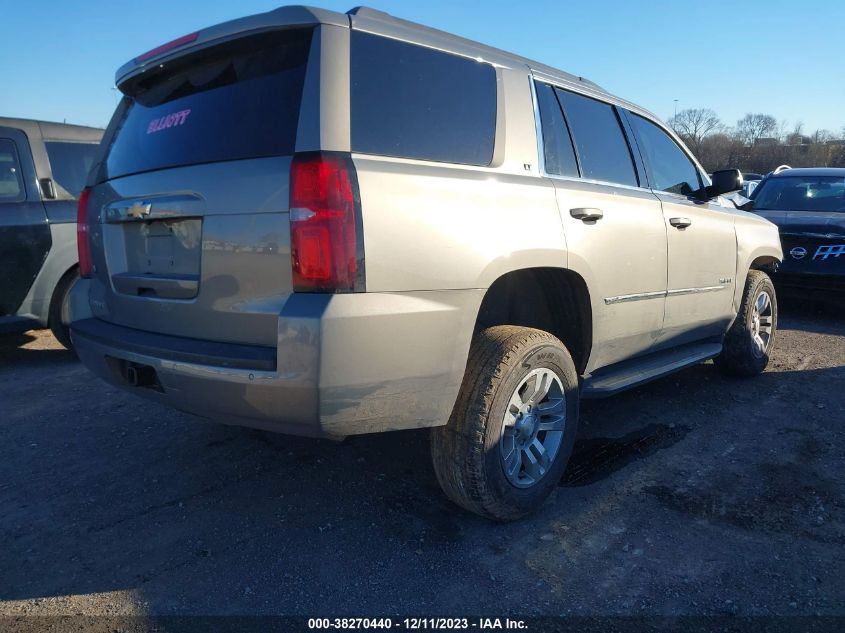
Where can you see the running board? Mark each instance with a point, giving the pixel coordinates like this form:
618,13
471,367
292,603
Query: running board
631,373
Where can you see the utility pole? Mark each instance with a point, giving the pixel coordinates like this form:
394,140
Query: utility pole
676,108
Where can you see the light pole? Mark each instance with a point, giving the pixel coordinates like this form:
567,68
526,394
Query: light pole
676,108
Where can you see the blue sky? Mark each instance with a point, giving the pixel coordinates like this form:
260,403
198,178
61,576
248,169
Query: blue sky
781,58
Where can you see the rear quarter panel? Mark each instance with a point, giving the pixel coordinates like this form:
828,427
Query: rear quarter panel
433,226
62,257
437,228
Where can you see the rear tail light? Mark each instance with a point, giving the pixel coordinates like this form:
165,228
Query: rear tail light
324,217
83,242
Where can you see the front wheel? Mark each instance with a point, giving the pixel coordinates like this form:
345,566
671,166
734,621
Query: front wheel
513,426
749,342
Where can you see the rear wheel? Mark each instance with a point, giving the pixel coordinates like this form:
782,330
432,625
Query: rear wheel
57,320
750,340
513,426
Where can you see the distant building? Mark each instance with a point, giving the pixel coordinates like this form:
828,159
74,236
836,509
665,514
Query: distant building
766,141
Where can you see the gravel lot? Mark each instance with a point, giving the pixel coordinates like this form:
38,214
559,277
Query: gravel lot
692,495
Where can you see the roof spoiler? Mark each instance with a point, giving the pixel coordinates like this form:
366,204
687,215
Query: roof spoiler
253,24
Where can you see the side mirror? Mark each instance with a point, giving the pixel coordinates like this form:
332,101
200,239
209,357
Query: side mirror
724,181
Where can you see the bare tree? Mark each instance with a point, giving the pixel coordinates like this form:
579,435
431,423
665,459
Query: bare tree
693,124
838,158
822,136
721,151
743,147
753,127
796,137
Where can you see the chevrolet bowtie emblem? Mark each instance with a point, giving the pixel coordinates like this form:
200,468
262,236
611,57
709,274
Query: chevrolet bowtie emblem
138,210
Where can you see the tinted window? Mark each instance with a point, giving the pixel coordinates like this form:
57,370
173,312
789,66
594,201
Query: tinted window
557,144
416,102
11,183
238,100
671,169
71,163
801,193
602,148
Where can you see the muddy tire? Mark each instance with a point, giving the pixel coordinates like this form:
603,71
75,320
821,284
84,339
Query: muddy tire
55,322
749,342
513,425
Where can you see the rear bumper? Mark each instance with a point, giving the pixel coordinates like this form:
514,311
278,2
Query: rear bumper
344,364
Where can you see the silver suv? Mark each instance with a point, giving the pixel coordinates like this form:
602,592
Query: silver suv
329,224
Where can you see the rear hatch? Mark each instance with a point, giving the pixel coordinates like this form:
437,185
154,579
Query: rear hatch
193,234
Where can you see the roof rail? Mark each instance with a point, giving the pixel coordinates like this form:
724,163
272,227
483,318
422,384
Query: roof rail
375,14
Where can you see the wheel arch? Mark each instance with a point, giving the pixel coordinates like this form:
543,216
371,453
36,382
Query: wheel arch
553,299
766,263
758,248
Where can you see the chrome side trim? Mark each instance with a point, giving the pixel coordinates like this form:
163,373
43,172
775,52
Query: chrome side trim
635,297
694,291
639,296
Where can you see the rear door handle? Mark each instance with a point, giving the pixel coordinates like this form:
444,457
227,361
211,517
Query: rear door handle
680,223
586,214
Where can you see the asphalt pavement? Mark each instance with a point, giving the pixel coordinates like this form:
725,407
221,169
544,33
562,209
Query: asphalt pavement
694,495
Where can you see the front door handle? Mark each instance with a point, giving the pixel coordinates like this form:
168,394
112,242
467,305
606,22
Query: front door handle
680,223
586,214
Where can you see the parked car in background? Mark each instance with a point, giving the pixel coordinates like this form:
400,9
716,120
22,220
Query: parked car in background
808,206
43,169
749,182
329,224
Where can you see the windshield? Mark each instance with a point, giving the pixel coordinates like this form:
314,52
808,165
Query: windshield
233,101
801,193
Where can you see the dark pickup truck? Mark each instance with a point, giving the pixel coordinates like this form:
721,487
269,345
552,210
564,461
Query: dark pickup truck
43,168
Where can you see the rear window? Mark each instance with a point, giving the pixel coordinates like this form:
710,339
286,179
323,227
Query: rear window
70,163
415,102
238,100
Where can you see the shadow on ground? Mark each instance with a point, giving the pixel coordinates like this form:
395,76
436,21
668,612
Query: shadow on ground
36,347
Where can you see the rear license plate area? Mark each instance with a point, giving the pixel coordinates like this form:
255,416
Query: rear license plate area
163,247
162,258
